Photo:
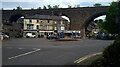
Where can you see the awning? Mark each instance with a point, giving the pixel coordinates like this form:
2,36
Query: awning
68,31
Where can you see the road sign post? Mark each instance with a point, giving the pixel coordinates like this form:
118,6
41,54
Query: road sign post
62,34
72,35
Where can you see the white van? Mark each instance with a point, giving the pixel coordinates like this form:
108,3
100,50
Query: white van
31,35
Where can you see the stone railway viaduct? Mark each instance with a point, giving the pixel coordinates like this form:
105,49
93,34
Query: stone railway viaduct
80,17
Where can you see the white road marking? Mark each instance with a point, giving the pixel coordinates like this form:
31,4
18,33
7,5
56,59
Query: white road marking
24,54
9,47
34,48
21,48
86,57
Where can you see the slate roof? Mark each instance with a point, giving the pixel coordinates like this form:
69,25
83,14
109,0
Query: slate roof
45,17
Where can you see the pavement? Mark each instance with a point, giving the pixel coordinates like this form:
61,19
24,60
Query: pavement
37,51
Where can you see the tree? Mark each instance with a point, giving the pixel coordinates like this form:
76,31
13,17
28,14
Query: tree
100,23
49,6
76,6
97,4
110,25
32,8
56,6
14,9
39,8
69,6
44,7
19,8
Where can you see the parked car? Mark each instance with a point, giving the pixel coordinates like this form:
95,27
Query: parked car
52,37
77,36
30,35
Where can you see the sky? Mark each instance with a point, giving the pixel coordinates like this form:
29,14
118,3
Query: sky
28,4
25,4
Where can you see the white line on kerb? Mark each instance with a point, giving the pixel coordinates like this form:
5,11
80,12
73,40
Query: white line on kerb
24,54
85,57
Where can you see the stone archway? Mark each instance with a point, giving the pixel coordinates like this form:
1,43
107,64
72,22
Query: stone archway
89,20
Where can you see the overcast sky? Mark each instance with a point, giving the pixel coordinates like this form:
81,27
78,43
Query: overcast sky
27,4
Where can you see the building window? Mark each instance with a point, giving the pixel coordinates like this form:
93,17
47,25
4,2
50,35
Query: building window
37,26
48,27
30,26
61,22
41,21
55,28
62,27
55,22
37,21
30,21
48,21
25,22
41,27
45,27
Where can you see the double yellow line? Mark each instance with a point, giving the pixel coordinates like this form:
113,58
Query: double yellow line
86,57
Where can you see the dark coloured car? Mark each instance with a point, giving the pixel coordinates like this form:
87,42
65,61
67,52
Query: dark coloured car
18,36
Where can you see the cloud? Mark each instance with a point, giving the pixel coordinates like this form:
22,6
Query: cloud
70,1
10,4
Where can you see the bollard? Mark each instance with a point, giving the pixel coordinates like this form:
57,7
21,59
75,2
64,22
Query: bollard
1,37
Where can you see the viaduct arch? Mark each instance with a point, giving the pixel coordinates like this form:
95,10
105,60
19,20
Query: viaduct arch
79,17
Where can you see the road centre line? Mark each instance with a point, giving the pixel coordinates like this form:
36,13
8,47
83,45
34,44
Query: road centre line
24,54
21,48
86,57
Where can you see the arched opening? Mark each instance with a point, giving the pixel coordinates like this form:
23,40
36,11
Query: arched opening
92,28
16,27
65,17
15,17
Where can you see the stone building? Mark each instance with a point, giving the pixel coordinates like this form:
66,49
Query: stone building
43,25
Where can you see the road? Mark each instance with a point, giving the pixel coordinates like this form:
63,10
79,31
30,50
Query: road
40,51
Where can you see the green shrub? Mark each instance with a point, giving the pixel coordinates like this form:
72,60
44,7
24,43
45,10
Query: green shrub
111,53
